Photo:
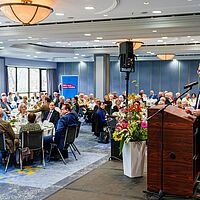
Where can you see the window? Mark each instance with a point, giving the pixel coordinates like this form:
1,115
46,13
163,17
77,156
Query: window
12,79
44,80
22,80
34,80
27,80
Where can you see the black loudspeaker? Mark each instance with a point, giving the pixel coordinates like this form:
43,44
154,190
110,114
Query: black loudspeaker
127,57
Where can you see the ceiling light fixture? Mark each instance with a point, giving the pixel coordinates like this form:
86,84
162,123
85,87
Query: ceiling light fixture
26,11
87,34
89,8
157,12
137,44
166,56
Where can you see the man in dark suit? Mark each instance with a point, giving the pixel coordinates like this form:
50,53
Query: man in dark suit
68,119
52,115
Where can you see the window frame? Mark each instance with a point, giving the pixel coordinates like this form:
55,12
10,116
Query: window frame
40,79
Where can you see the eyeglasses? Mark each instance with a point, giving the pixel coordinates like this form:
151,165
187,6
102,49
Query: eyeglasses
198,71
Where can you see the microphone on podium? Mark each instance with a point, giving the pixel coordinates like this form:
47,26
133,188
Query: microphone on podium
190,84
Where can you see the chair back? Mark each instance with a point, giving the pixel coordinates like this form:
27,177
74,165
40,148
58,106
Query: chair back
78,129
70,135
32,139
2,141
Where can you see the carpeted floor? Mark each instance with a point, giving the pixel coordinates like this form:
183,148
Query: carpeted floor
36,183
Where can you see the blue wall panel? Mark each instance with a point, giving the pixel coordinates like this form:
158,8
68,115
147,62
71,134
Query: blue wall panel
84,70
156,75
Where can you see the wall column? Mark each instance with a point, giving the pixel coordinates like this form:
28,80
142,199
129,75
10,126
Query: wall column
102,75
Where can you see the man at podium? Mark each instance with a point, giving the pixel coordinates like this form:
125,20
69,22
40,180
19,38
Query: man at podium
196,112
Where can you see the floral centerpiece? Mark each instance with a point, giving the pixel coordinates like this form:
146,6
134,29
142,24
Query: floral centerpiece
132,126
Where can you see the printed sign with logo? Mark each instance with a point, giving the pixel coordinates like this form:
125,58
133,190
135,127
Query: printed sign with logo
69,86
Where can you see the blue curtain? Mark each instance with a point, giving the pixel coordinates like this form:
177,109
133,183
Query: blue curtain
51,81
3,76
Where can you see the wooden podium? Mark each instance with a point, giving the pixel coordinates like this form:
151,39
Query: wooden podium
181,145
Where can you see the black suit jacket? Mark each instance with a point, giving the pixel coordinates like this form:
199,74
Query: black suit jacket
54,117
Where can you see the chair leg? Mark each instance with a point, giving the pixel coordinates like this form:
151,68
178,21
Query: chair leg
50,152
7,163
72,151
75,148
43,160
61,155
20,159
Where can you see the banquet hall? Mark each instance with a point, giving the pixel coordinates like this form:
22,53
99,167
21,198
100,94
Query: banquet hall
88,65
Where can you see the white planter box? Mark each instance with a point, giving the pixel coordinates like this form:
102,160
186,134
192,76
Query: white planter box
133,158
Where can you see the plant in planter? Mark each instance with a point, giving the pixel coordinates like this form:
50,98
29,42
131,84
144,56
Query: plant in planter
131,131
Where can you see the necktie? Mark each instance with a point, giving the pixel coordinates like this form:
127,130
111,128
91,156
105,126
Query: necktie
49,115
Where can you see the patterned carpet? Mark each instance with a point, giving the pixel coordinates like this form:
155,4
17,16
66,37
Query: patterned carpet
36,183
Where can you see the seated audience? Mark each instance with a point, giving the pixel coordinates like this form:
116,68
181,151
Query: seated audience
6,105
52,115
61,101
6,128
22,115
68,118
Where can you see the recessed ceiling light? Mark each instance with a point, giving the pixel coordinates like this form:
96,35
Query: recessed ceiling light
2,47
152,53
164,37
157,12
146,3
105,15
196,41
89,8
154,31
38,52
75,57
87,34
99,38
30,37
159,40
148,51
58,42
189,36
59,14
77,54
28,55
82,55
96,40
1,42
69,44
35,56
189,0
192,39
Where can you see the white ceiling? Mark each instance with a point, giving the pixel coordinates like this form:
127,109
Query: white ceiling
61,38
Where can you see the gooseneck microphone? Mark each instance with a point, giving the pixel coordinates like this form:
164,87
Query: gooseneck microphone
190,84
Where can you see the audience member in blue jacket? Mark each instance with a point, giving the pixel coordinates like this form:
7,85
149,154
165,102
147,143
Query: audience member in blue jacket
68,119
152,95
101,120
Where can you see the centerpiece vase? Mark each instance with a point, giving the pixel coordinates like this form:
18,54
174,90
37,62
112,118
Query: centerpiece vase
133,158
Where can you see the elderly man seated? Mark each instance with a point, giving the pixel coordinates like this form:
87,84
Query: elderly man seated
6,128
68,118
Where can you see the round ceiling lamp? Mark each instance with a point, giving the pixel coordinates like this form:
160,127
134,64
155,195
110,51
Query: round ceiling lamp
137,44
27,11
166,56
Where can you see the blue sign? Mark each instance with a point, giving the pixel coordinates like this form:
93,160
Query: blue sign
69,86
